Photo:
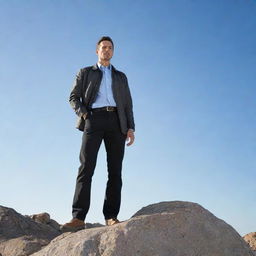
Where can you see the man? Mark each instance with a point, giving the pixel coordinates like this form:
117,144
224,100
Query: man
101,98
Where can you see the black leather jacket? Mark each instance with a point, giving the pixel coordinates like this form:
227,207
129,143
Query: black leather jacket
84,93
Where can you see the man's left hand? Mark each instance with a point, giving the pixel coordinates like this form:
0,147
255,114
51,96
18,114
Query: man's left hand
130,137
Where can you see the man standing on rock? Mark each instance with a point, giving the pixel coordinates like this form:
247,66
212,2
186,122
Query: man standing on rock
102,100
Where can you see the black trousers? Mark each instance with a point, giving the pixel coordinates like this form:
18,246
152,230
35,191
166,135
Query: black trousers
100,126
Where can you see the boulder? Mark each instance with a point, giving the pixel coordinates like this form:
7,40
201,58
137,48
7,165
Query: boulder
163,229
20,235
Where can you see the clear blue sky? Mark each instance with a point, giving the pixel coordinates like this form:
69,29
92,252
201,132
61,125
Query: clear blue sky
191,69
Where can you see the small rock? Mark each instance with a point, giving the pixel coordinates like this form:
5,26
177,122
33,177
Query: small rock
43,218
93,225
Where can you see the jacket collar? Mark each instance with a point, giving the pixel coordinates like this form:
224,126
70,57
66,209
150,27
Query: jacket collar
95,67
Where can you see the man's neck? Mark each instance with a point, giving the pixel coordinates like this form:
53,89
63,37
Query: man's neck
104,63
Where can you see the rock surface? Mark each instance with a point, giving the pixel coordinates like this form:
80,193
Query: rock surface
164,229
251,240
22,236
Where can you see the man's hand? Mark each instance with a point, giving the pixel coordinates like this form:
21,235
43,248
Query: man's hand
130,137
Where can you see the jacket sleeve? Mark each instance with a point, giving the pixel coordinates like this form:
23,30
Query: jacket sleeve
75,98
129,107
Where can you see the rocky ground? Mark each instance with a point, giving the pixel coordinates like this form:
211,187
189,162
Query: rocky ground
164,229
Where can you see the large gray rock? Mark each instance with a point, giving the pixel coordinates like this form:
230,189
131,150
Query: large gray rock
164,229
22,236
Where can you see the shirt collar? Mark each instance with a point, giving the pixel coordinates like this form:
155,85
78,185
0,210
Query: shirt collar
101,66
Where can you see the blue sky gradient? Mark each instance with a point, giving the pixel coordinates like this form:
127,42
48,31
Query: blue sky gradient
191,69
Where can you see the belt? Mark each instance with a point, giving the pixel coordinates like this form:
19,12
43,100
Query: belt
108,109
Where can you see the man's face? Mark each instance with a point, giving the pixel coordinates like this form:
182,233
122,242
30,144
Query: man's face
105,51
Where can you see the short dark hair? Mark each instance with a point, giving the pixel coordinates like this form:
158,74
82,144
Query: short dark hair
105,38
